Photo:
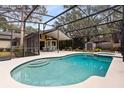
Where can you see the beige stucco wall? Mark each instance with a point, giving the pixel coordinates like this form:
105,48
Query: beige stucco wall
5,44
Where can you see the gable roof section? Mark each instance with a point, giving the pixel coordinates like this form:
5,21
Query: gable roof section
54,33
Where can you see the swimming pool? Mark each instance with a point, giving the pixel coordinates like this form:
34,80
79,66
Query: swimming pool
60,71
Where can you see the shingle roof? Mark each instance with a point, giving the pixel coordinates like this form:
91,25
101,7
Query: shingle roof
7,35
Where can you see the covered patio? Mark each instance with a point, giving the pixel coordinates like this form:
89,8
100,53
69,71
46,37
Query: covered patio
50,40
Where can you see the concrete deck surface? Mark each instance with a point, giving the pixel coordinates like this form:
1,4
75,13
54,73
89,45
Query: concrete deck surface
114,77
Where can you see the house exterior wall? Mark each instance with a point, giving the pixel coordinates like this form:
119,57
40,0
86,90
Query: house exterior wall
5,44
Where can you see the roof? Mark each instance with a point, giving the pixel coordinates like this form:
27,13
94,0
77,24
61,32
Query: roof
7,35
54,33
51,32
31,34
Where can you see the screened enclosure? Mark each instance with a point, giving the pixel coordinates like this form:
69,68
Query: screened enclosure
103,25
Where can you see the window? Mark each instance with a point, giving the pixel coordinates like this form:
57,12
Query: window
14,43
48,43
40,36
53,43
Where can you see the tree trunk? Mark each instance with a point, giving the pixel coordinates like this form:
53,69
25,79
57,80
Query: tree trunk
22,30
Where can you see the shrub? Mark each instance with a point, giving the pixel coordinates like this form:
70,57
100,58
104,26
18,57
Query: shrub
5,54
8,49
19,53
77,49
98,50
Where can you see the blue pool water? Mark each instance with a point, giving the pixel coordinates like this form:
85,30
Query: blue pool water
66,70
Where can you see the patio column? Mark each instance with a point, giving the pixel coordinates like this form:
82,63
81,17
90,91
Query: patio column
38,39
11,44
72,42
122,36
24,39
58,41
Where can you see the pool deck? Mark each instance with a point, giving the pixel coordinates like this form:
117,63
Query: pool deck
113,78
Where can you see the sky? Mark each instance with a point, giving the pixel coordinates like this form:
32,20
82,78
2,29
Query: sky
52,10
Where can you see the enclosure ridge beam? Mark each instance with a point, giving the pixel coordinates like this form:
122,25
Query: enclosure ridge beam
90,15
61,14
31,12
96,25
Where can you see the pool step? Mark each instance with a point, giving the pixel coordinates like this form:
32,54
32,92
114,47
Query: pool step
38,62
35,65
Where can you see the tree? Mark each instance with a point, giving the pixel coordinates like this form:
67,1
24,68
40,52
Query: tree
25,10
3,23
85,10
20,12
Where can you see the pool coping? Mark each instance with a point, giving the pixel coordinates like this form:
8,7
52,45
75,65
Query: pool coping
87,83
